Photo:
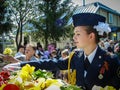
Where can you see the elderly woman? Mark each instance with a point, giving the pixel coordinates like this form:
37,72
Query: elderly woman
29,54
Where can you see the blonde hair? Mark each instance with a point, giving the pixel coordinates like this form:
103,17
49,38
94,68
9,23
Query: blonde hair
31,45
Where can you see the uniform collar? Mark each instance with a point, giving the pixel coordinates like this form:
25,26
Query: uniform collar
92,55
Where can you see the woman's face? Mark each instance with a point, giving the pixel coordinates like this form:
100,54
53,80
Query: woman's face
29,51
81,38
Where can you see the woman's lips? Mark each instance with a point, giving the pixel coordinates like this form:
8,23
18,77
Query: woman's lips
75,43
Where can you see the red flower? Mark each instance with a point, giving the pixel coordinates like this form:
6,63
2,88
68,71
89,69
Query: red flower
11,87
4,75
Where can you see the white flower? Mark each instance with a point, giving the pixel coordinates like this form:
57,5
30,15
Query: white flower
19,79
97,87
102,27
53,87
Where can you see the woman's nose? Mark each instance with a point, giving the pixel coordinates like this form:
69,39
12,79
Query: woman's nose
74,37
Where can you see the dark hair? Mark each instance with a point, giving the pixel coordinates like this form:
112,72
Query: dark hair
39,45
90,29
54,52
110,49
21,46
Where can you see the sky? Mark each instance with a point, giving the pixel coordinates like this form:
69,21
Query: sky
113,4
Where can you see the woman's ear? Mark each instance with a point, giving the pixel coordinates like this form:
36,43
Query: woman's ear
92,36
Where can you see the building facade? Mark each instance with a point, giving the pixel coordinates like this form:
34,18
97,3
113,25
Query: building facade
112,17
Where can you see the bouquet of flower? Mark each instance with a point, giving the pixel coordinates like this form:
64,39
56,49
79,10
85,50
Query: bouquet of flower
7,51
28,79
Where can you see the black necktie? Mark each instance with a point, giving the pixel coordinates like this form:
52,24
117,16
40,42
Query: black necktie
86,64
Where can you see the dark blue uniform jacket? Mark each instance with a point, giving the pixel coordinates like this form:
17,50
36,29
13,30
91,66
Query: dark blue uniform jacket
110,76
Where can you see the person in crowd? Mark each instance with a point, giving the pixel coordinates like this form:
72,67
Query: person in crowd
102,46
91,67
117,49
58,52
30,53
67,46
39,51
112,43
46,55
64,54
111,52
64,73
21,53
51,47
53,54
39,46
106,44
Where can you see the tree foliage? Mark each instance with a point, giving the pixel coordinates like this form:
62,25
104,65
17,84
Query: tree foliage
51,20
22,11
5,21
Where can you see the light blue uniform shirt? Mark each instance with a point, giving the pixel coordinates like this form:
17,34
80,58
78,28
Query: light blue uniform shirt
90,58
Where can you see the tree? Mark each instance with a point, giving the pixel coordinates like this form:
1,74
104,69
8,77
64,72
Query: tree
52,21
5,21
22,11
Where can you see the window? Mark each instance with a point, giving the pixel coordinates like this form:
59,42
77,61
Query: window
110,18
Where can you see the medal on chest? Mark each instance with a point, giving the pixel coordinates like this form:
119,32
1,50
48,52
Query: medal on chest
100,76
103,69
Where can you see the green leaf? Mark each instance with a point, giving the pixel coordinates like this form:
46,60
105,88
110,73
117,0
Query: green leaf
42,73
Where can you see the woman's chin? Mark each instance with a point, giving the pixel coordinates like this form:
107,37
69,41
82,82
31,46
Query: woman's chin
78,46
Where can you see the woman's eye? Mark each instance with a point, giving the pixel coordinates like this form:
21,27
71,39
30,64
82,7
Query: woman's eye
77,34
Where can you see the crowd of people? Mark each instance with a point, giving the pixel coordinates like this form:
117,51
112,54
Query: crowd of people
111,46
32,52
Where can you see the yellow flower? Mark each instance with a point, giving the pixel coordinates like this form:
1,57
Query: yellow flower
101,88
28,68
40,81
39,84
34,88
26,72
50,81
3,85
109,88
24,75
7,51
